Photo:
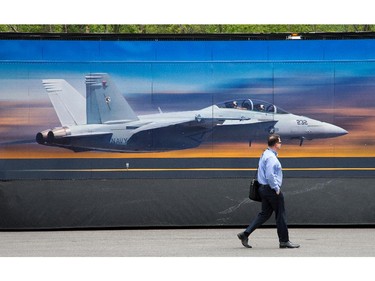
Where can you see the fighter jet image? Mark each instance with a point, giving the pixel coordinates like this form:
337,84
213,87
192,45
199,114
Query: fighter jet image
104,121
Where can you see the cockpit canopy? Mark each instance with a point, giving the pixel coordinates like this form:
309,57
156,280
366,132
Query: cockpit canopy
251,104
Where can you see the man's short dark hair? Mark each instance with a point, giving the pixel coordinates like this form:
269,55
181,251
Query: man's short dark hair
273,139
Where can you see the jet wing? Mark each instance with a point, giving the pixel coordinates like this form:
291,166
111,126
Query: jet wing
183,133
242,131
171,134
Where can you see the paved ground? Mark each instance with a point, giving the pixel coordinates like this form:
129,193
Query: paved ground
168,246
353,242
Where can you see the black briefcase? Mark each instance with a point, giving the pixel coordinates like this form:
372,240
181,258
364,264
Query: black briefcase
254,190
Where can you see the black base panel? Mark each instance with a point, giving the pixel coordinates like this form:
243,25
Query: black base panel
139,203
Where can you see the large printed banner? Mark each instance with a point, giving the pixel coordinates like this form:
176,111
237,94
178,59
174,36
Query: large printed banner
181,102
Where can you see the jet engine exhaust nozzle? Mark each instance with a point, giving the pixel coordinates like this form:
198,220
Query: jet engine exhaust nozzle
49,136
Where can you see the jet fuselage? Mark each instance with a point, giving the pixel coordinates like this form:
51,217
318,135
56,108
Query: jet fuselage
164,131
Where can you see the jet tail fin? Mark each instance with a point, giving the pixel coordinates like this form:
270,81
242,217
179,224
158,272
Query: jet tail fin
104,102
68,103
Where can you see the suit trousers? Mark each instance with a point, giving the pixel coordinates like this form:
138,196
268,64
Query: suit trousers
271,202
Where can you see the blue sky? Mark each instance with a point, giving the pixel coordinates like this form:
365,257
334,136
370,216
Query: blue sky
88,51
275,70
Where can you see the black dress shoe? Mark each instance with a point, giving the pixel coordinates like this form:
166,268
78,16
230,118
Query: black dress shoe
288,245
244,239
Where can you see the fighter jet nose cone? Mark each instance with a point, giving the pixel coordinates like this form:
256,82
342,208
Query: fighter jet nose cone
338,131
344,132
327,130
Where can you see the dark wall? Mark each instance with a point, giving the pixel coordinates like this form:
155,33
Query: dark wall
57,204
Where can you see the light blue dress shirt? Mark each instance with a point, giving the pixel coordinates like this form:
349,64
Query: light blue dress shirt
270,170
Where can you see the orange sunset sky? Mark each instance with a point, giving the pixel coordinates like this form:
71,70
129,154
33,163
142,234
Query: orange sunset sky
19,123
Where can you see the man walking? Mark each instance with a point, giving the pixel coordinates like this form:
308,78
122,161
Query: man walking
270,178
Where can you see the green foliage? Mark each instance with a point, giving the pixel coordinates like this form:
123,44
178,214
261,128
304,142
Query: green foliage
185,28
